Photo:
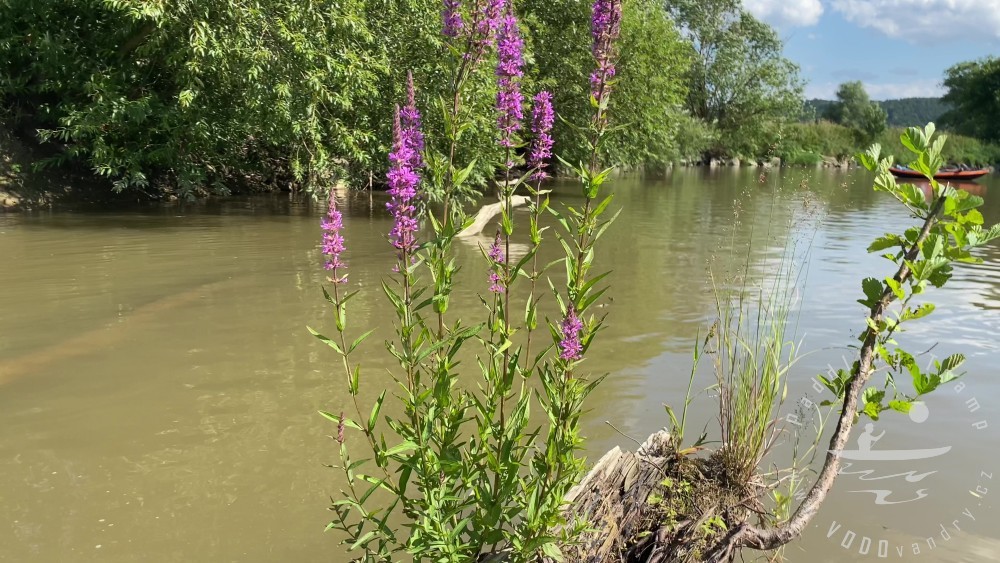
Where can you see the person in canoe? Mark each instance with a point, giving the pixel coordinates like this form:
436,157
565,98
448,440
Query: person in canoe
868,439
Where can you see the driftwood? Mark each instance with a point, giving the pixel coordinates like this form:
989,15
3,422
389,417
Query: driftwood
488,212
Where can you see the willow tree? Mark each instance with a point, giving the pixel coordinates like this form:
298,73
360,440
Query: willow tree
739,82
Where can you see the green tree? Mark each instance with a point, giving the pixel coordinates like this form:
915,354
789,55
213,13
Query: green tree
855,110
649,92
904,111
194,95
739,81
974,95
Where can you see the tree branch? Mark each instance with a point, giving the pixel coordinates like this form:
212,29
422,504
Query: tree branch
775,537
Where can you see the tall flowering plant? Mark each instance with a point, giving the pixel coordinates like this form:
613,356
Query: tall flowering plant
458,473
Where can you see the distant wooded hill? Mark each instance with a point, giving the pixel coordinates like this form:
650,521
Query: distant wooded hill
902,113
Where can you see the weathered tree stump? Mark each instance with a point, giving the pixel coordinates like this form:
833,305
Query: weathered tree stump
613,499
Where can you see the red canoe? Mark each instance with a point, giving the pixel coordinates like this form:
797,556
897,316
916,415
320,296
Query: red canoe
946,174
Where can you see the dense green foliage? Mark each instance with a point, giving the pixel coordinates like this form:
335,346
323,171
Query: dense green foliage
973,89
203,96
855,110
901,112
905,111
739,83
649,96
193,95
806,144
200,97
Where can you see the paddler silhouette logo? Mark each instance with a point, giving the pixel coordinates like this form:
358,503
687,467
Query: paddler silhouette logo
866,452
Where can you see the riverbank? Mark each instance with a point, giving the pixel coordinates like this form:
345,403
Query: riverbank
802,145
828,144
22,187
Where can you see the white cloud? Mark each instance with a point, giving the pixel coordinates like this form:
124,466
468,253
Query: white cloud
786,12
925,20
822,91
915,89
879,90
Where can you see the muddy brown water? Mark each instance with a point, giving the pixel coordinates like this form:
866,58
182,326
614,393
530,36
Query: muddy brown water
158,388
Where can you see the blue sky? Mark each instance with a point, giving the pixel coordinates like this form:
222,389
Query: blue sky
898,48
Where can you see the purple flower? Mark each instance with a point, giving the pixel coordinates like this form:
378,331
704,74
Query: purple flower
488,18
570,347
333,240
485,19
409,118
452,17
542,119
496,255
509,62
606,23
403,181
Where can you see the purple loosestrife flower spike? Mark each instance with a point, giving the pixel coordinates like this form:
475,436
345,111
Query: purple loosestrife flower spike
570,347
496,255
410,121
485,19
333,241
542,119
452,18
605,27
403,181
510,59
488,19
340,429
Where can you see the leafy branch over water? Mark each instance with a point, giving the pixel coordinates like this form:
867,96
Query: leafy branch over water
950,227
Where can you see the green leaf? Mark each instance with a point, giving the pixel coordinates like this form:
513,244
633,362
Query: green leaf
400,448
901,406
896,287
326,341
873,292
918,312
952,362
373,417
359,340
355,379
890,240
363,540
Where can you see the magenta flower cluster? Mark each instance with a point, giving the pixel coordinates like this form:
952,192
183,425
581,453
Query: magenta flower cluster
542,119
478,32
605,22
570,347
405,162
409,118
487,20
496,255
403,180
510,59
452,18
333,241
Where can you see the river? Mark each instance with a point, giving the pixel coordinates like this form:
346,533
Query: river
159,390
